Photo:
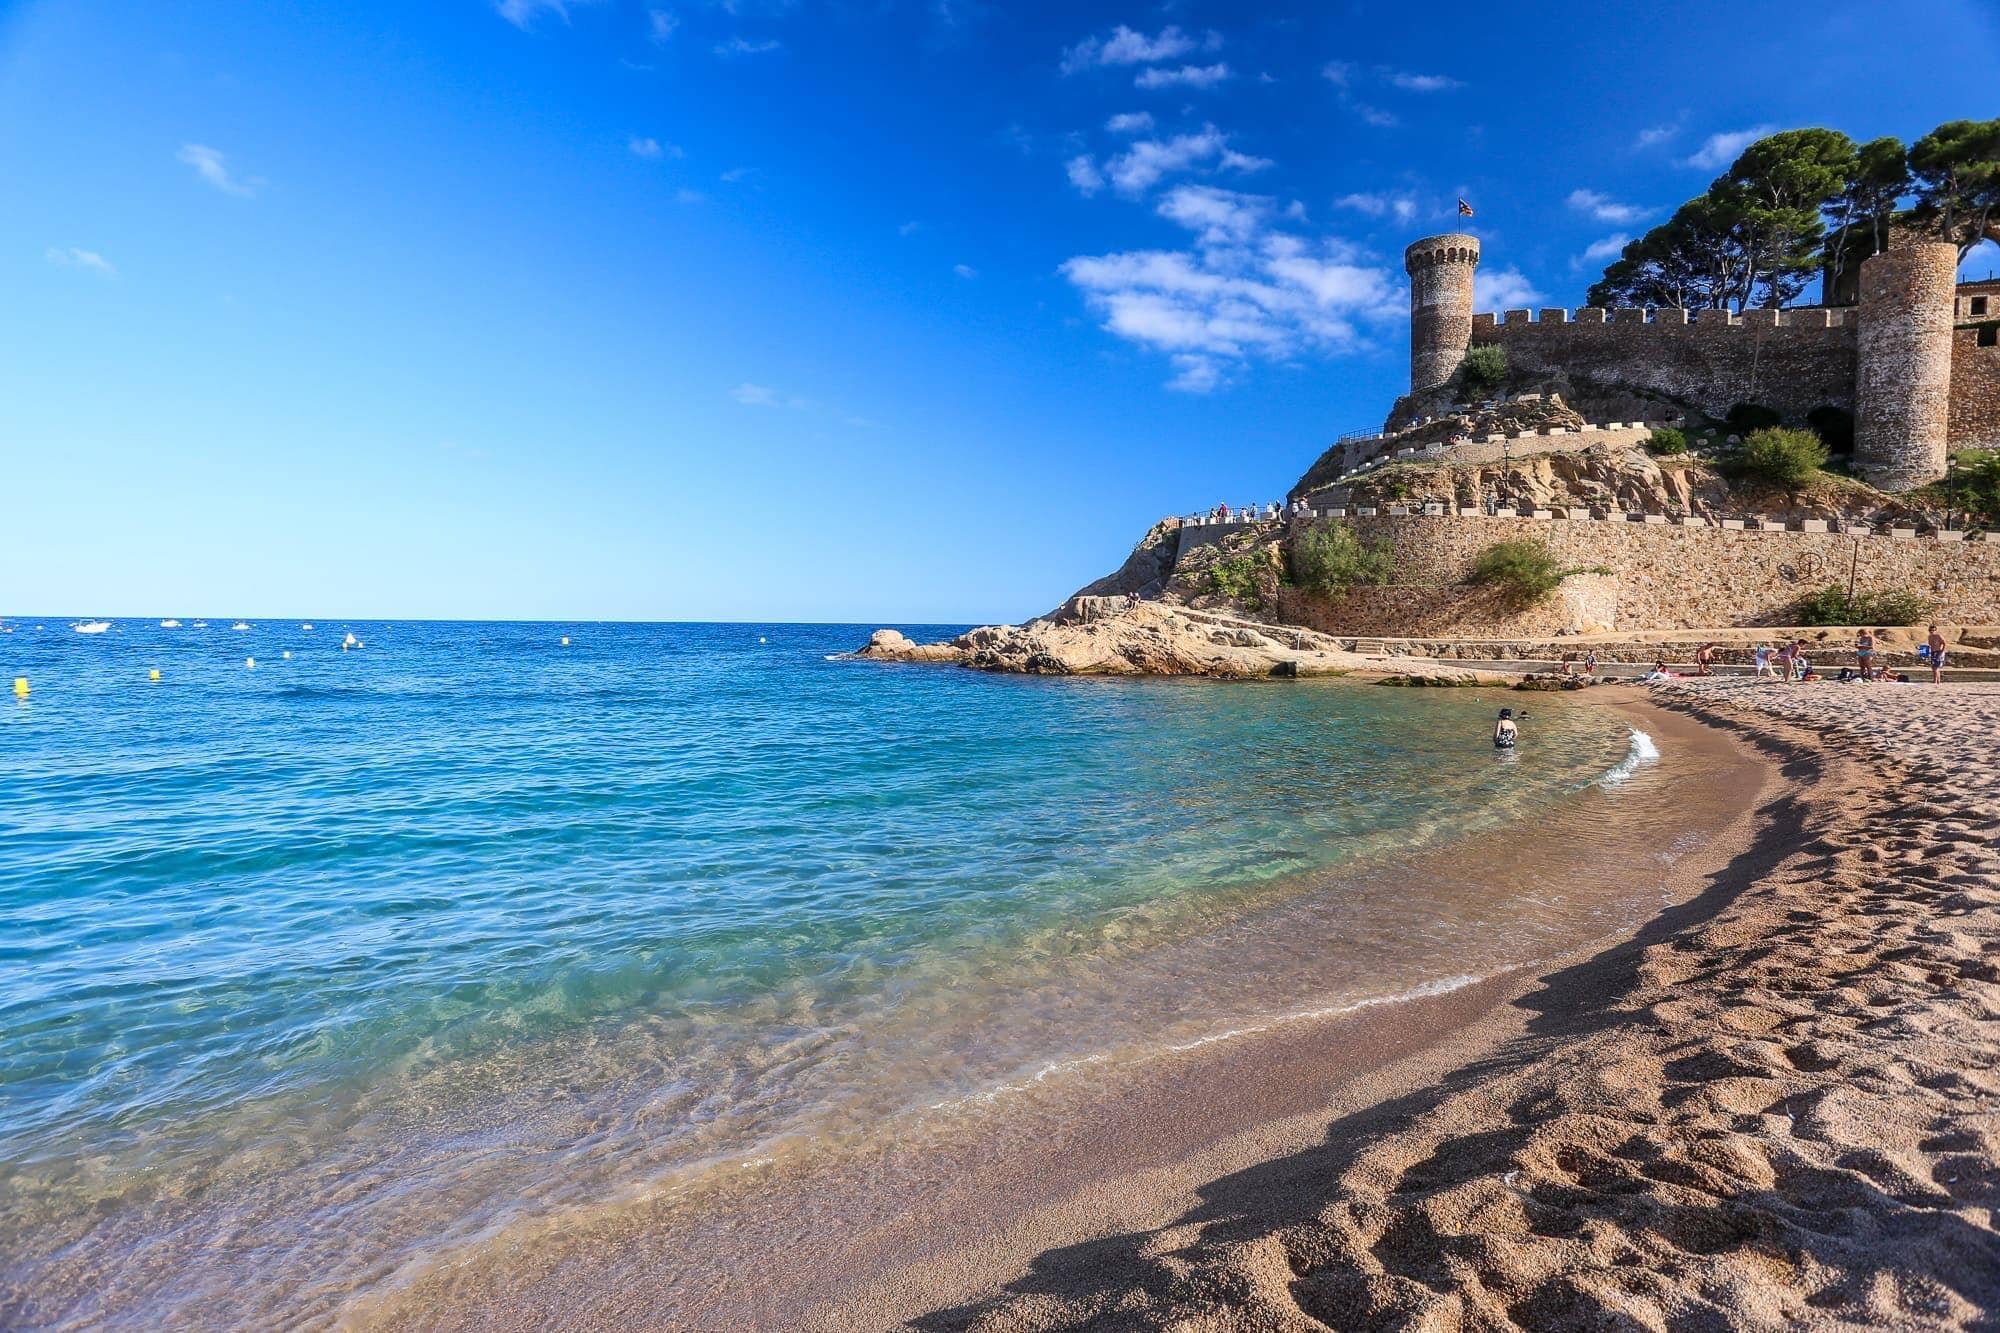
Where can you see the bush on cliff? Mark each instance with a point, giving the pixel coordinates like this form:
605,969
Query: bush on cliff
1483,370
1666,442
1783,457
1330,559
1832,606
1522,570
1236,577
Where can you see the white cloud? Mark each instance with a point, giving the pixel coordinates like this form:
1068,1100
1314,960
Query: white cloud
1126,47
1337,72
755,395
966,271
522,13
213,167
909,229
653,150
1246,292
1376,116
1654,136
1402,207
1187,76
736,175
1423,83
1084,175
1603,251
1220,216
1130,122
661,24
1503,289
1148,161
1980,262
1719,150
71,257
743,46
1604,208
690,197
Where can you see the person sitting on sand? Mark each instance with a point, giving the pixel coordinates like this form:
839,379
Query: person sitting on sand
1569,664
1936,644
1864,651
1505,732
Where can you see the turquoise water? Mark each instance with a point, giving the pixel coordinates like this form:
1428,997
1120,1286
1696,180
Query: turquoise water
355,955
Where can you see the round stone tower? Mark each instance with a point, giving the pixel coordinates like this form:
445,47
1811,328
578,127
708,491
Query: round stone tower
1902,390
1440,269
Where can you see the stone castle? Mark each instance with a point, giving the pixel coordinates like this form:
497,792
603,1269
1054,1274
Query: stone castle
1913,363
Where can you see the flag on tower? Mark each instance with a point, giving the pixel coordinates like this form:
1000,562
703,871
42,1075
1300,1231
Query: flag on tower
1464,209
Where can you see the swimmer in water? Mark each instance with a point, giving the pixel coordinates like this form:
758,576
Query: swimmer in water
1505,731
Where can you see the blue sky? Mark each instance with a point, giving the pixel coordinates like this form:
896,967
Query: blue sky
874,311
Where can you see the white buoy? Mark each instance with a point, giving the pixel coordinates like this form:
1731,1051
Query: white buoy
288,654
250,663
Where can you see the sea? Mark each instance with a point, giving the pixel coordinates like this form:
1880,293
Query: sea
321,964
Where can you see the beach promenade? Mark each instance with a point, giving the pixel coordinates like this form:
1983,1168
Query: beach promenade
1777,1107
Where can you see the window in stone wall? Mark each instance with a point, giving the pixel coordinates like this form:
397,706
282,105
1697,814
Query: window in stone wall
1990,336
1978,305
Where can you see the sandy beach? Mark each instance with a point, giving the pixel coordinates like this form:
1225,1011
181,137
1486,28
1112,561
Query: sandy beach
1778,1106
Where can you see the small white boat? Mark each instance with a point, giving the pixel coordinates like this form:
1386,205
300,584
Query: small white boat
201,624
349,642
91,626
239,625
170,623
307,625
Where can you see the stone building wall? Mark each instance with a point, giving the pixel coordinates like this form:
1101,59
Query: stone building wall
1791,361
1663,577
1975,392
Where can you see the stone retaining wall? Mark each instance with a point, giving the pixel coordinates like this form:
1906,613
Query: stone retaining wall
1664,576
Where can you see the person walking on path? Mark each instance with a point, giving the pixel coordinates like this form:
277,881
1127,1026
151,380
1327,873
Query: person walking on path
1936,645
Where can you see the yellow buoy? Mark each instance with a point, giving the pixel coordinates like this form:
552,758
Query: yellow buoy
249,662
154,674
288,654
20,687
565,642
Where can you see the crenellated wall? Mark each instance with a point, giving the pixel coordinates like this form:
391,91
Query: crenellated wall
1791,361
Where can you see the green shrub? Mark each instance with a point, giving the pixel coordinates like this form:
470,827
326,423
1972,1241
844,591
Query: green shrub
1832,606
1974,482
1665,442
1329,559
1746,417
1522,570
1484,369
1236,577
1783,457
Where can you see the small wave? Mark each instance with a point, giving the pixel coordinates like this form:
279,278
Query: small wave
1641,752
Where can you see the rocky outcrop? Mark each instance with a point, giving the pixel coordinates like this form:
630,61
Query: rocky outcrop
1145,571
1152,639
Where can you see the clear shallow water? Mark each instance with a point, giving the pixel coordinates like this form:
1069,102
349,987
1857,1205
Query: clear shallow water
355,957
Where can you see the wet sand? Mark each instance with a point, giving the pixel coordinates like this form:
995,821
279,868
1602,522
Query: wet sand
1059,1207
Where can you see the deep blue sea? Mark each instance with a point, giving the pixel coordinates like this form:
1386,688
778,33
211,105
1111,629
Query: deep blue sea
351,956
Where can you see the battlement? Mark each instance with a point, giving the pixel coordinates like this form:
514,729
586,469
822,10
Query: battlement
1664,318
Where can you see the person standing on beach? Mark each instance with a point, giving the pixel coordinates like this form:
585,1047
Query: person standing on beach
1864,652
1590,663
1760,657
1704,660
1936,644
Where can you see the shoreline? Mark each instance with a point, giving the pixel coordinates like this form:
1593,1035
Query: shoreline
1771,1106
1101,1153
